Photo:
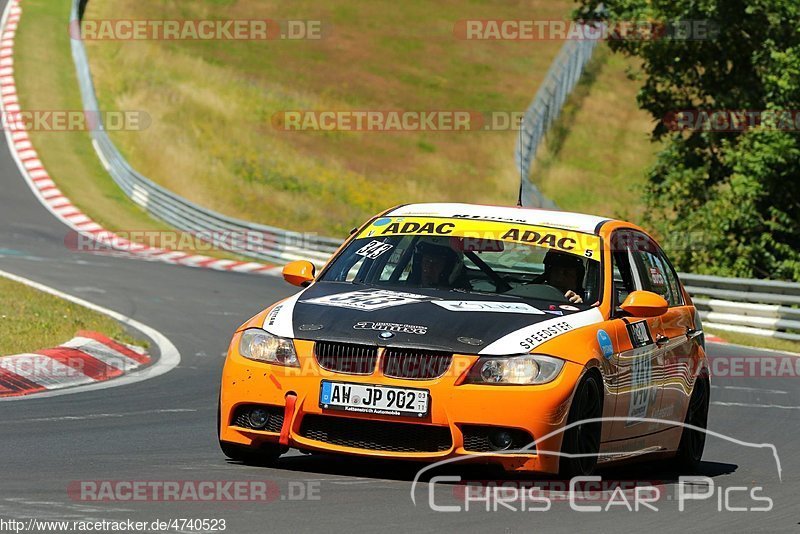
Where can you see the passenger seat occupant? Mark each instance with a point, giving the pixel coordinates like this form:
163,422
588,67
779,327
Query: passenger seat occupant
565,272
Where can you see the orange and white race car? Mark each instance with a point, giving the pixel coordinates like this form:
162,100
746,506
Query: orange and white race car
538,340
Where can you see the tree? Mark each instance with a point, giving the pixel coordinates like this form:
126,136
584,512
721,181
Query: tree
739,190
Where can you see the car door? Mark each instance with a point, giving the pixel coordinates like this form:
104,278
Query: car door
658,276
638,363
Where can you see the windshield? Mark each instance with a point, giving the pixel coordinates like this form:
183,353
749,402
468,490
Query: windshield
473,256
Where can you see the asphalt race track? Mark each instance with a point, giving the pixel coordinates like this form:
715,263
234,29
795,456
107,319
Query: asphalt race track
163,429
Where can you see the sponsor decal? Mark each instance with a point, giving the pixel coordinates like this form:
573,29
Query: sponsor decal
639,334
569,241
374,249
278,321
534,335
489,218
273,315
487,306
643,390
368,300
544,334
604,340
392,327
568,307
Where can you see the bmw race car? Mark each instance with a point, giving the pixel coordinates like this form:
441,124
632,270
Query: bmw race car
537,340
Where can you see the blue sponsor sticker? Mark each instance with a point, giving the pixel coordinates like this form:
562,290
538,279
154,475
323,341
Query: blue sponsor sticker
325,398
604,340
382,222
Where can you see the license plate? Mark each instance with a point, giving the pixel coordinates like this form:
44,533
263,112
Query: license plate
379,400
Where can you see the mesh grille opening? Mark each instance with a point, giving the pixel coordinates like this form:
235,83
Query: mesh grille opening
376,435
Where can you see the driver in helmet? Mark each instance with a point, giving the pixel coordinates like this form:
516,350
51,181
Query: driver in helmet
435,265
565,272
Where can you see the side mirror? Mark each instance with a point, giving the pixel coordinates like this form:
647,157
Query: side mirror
299,273
645,304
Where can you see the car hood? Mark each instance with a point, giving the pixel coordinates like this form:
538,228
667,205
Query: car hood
423,318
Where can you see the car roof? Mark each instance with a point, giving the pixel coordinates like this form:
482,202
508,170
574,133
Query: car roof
556,219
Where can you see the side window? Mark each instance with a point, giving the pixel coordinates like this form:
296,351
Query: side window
626,278
656,273
672,280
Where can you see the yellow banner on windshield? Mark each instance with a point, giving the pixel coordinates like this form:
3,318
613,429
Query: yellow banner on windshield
569,241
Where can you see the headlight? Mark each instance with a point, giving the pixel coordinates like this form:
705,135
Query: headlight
515,370
260,345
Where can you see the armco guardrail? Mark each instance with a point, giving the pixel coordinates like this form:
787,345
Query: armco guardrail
751,306
281,245
561,79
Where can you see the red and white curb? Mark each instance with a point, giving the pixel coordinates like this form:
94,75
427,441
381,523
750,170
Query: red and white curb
168,356
714,339
88,358
51,196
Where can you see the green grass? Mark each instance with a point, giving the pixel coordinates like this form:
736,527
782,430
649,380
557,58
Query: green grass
212,141
756,341
31,320
596,155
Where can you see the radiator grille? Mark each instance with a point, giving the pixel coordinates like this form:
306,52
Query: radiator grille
346,357
415,364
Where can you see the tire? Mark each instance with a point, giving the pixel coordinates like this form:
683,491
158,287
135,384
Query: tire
583,439
264,455
690,449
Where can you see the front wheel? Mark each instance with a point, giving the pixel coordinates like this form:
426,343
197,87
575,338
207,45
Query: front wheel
264,455
581,443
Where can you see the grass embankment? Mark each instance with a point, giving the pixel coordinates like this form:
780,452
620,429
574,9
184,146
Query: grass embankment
596,156
31,320
212,105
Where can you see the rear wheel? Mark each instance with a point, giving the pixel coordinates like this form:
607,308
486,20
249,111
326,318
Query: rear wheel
582,442
693,441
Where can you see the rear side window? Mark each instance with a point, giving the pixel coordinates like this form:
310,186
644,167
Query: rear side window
655,271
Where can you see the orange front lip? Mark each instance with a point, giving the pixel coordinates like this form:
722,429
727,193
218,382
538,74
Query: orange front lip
539,410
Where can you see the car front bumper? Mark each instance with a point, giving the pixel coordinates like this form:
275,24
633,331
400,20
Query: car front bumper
455,410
